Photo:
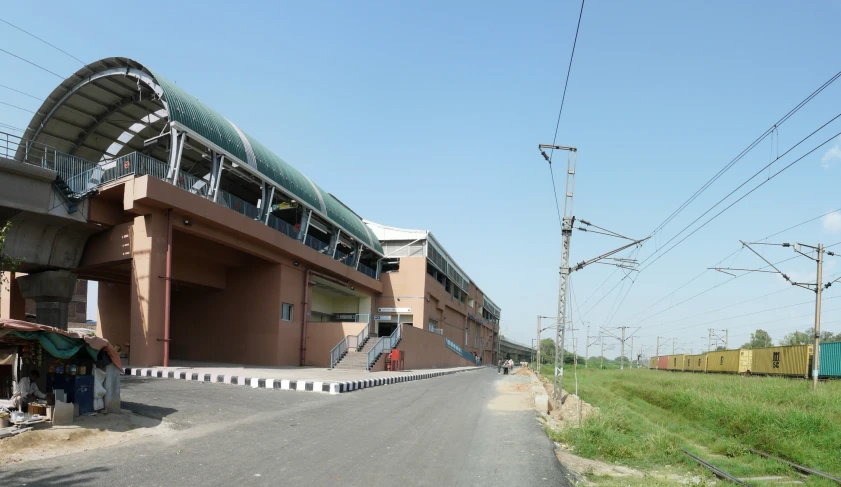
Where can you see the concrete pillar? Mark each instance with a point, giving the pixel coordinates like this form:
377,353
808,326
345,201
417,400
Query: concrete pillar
12,304
52,292
147,289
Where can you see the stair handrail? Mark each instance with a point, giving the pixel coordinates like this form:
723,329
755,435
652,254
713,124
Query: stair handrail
384,344
361,337
375,352
339,350
395,337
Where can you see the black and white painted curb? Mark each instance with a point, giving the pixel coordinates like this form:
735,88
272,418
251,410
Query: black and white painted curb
289,385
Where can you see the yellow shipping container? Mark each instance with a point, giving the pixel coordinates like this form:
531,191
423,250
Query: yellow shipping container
745,360
726,361
794,361
677,362
652,363
695,363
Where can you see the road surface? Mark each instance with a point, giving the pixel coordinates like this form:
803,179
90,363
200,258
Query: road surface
467,429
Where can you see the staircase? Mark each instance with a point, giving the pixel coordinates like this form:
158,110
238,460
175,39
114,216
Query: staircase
353,360
70,198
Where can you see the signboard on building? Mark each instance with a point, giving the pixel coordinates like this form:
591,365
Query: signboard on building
476,318
394,310
382,317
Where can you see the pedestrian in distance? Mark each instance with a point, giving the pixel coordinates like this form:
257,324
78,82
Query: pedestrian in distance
499,367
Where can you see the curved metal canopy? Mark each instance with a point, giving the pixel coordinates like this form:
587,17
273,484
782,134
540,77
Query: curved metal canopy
109,107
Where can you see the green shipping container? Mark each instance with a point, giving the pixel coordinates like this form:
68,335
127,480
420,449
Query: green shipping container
830,359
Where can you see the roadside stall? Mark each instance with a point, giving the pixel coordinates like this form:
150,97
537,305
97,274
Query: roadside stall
55,375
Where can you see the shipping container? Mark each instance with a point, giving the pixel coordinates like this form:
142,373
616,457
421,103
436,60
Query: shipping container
830,359
652,363
663,362
695,363
793,361
745,360
726,362
676,362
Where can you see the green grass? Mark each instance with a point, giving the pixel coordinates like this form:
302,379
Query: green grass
646,416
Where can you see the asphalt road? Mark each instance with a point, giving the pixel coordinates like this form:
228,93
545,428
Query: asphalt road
465,429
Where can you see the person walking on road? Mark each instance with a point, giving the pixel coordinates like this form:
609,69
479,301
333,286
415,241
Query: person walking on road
499,367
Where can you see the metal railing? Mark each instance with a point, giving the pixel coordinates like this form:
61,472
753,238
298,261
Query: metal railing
315,243
83,176
354,341
383,345
338,351
283,227
455,348
367,270
361,337
237,204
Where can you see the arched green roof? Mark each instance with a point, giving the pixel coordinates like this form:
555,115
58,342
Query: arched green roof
191,113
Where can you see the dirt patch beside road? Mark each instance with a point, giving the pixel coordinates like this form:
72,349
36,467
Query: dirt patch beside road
86,433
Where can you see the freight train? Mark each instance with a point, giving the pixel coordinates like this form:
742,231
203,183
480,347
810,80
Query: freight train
786,361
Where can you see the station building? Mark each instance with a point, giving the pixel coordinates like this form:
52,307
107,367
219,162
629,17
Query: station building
207,246
423,285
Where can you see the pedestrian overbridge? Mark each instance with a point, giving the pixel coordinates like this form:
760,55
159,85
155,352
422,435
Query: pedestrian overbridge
515,351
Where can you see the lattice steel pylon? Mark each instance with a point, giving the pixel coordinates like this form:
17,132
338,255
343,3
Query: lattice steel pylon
567,223
563,282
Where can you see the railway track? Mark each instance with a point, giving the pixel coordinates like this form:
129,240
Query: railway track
724,475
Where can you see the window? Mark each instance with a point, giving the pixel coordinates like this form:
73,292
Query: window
471,302
286,312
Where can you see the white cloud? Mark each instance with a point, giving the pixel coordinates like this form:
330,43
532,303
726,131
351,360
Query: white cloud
832,222
831,156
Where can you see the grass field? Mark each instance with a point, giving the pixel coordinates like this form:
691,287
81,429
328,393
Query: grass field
647,416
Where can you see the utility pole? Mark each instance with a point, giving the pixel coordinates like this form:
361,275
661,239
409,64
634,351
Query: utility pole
726,339
817,287
631,358
566,236
816,353
709,340
538,345
601,342
657,353
674,342
587,345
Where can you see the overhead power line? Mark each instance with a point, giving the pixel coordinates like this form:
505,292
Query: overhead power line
42,40
21,92
34,64
771,130
746,150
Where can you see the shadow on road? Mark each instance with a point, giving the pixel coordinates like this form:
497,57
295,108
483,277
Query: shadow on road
46,477
154,412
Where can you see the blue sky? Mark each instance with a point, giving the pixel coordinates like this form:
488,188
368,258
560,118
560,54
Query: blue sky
428,115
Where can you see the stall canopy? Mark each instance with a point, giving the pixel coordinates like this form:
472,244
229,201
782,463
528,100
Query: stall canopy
58,343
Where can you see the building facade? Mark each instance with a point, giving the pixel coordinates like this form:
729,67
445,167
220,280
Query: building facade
208,247
424,286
